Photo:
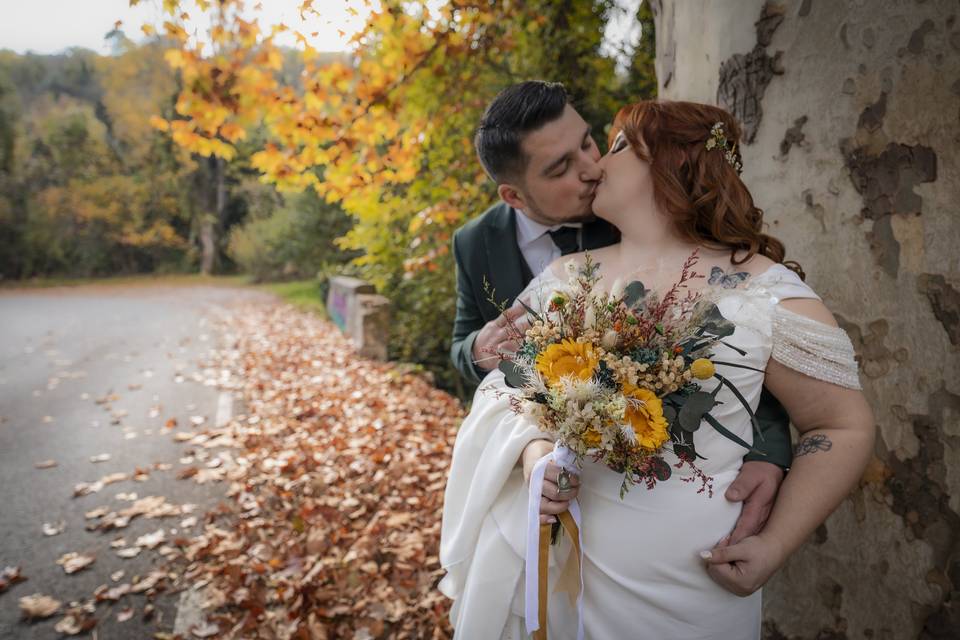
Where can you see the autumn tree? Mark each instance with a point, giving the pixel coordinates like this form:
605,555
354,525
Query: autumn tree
388,133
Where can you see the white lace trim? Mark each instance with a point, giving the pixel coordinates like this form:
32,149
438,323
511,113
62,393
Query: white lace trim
814,348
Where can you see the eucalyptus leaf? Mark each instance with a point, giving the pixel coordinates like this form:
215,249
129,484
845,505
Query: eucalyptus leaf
635,292
661,470
715,324
513,374
729,435
670,413
693,409
745,404
684,445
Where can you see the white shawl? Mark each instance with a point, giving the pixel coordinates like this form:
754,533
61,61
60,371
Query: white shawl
484,513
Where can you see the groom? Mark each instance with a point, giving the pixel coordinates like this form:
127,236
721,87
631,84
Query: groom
542,156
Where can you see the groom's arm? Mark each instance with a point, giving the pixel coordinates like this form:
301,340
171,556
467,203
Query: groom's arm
775,427
468,321
760,476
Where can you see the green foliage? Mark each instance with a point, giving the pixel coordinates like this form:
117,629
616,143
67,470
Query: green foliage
292,240
303,294
87,185
403,232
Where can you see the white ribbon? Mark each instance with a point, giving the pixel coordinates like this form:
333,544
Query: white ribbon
565,459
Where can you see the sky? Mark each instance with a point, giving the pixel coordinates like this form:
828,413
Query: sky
50,26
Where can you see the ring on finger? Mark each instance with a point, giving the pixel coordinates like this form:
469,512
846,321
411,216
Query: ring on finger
563,481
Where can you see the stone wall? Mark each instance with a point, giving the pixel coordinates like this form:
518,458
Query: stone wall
852,112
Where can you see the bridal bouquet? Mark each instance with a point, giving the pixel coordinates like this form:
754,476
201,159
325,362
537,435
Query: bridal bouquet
620,376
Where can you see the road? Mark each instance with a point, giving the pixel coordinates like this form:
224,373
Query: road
87,371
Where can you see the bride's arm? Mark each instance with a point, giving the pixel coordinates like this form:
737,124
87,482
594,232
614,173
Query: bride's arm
837,432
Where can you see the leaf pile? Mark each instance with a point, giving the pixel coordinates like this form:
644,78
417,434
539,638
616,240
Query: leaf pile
336,477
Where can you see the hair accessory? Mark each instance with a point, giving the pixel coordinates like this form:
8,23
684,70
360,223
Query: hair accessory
718,140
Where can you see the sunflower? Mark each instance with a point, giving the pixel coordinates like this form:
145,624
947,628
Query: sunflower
567,358
645,415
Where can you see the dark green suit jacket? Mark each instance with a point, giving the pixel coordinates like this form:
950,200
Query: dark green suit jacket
486,247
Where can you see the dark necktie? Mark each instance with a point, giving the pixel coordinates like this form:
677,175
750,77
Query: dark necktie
566,239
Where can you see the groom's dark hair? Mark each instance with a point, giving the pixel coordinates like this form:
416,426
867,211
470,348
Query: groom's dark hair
517,110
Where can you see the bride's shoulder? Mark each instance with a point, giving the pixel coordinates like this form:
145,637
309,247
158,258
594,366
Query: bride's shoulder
753,266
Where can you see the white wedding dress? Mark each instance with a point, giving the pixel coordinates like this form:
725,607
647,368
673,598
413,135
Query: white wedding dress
642,574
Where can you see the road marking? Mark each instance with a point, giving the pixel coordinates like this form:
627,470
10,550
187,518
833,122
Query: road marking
190,607
224,408
189,612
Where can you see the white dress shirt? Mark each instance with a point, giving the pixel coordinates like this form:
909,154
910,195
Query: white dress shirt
535,243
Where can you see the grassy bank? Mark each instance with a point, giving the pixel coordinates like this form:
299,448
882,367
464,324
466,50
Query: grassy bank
179,280
303,294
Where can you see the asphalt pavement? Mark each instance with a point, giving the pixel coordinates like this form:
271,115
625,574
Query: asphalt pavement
88,371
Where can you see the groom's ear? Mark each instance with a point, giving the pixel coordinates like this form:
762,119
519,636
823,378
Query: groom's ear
511,195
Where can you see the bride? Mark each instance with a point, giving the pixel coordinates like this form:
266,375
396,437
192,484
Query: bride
657,564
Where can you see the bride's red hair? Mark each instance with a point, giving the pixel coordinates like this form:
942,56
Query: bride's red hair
698,187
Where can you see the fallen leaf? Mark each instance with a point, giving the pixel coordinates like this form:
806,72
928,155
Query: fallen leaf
9,577
73,562
116,575
124,614
99,512
129,552
103,592
75,623
45,464
148,582
204,631
102,457
54,529
151,540
38,606
331,512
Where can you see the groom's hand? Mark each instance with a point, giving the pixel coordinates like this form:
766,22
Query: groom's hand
499,336
756,486
743,568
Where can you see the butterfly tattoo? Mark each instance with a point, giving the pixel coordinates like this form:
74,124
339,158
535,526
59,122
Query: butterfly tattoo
727,280
812,444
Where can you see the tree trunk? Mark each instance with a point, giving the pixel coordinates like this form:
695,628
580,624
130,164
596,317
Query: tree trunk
851,115
208,244
212,224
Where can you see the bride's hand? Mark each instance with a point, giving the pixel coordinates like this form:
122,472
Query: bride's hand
552,502
744,567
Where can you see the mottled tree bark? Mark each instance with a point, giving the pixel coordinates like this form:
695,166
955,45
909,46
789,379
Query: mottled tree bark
851,112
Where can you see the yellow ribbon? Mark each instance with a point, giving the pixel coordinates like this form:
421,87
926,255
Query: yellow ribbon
569,580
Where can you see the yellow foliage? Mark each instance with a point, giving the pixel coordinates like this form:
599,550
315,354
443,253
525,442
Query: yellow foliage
159,123
232,132
175,58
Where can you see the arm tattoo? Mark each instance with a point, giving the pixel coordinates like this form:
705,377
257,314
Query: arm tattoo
812,444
